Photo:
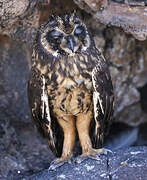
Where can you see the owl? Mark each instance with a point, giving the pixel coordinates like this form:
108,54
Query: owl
70,90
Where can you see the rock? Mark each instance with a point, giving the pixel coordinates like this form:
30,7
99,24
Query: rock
128,66
129,15
122,136
14,74
20,144
19,19
128,164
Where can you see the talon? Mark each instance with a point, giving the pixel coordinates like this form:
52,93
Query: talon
93,154
81,158
84,157
99,151
59,162
105,151
95,157
55,164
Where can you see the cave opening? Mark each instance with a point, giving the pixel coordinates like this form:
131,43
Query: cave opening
143,97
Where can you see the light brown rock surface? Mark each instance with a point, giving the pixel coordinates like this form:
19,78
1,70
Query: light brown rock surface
130,15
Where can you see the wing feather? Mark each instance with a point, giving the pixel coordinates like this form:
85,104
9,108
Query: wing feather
39,104
103,99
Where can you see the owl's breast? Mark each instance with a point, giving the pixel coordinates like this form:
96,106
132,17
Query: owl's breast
69,85
71,101
73,94
72,72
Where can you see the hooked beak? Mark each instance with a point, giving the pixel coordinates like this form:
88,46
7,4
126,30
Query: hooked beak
71,43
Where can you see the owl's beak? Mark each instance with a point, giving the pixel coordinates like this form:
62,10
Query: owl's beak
71,43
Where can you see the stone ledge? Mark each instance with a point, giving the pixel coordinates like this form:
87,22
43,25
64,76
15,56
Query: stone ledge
127,164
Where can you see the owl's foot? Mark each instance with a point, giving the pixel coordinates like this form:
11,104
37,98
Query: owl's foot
92,154
60,162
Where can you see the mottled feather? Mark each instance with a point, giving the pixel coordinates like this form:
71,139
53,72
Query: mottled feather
103,99
38,100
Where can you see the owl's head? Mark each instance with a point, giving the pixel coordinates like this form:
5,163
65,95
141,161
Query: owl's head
64,35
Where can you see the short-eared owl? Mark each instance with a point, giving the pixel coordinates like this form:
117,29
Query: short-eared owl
70,90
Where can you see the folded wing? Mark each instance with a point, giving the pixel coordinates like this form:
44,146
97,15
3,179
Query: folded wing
103,101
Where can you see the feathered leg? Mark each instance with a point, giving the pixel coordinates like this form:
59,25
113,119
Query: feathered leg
83,125
67,123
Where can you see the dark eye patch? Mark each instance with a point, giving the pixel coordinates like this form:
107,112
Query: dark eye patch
55,34
79,30
54,37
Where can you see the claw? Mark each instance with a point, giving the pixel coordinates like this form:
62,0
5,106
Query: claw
93,154
81,159
58,163
85,157
105,151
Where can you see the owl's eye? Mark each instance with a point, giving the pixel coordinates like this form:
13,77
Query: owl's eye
79,30
55,34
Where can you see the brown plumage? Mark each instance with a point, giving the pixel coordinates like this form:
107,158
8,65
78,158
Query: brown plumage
70,88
